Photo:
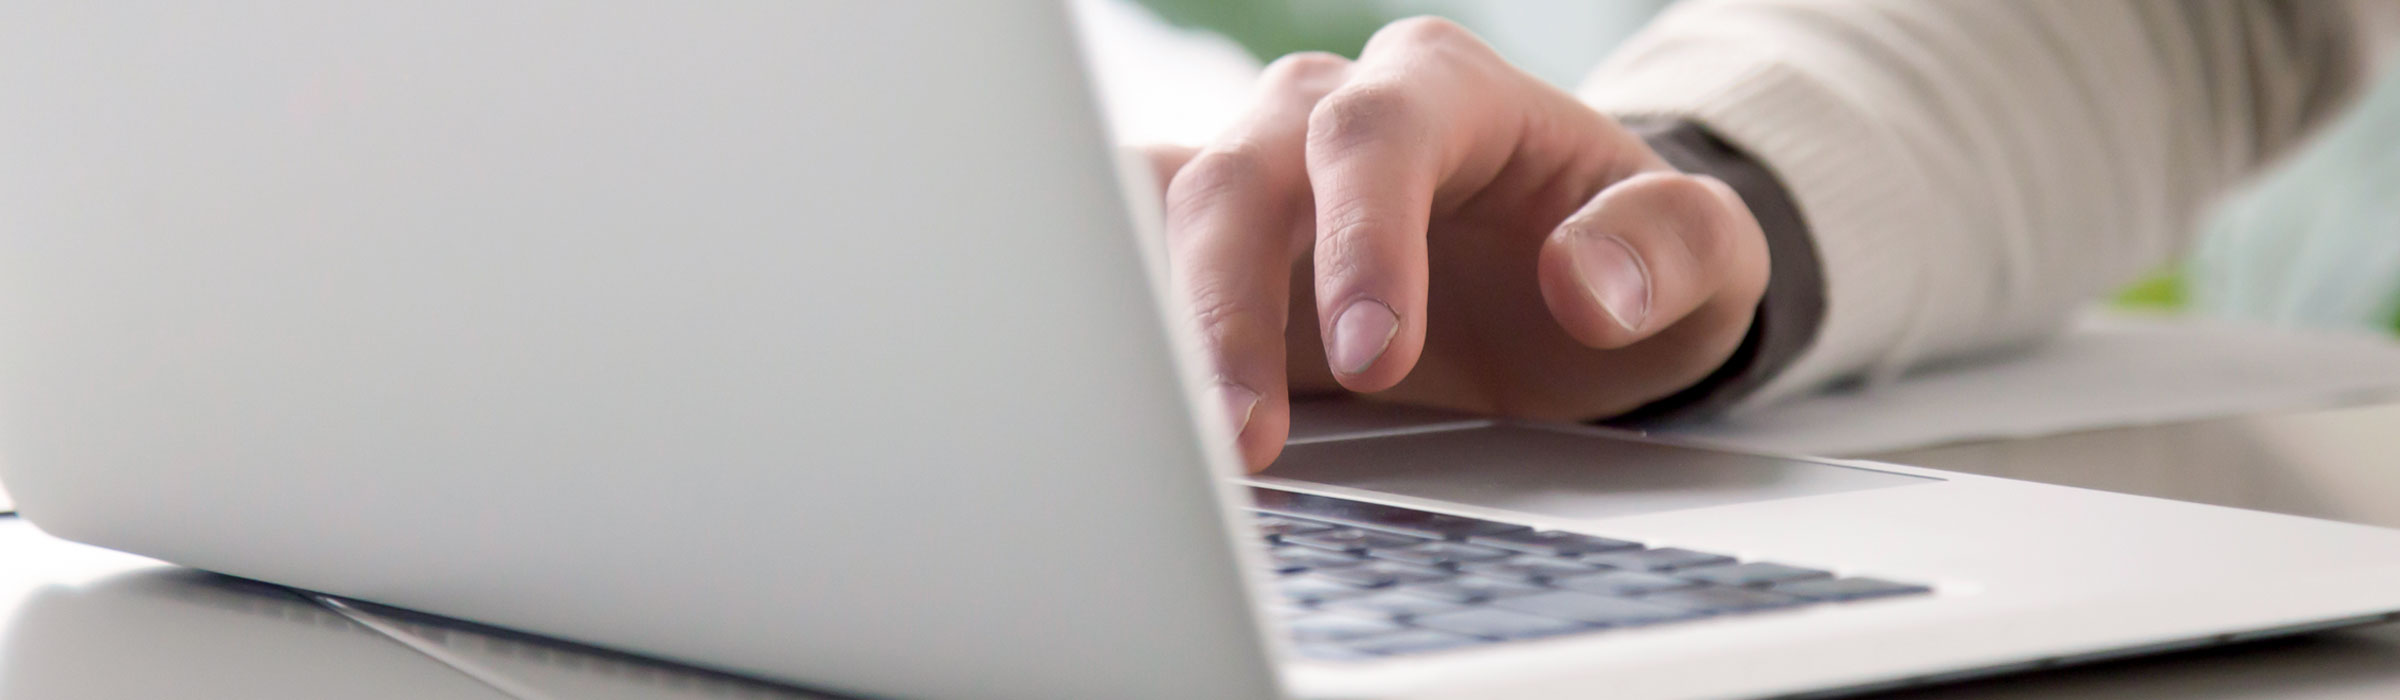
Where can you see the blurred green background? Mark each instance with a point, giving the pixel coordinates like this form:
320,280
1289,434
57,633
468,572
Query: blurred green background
2314,242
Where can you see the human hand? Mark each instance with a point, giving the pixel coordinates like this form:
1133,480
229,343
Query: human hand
1463,234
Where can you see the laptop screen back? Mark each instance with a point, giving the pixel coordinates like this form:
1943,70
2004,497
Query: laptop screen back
792,338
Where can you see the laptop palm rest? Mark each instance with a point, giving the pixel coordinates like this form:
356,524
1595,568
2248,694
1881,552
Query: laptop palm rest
1559,472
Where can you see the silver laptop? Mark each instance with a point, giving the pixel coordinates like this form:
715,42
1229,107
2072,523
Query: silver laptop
819,342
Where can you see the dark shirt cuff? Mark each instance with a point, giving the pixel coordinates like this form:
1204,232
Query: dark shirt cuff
1794,304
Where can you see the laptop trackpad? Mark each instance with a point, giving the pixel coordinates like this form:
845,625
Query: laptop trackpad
1564,474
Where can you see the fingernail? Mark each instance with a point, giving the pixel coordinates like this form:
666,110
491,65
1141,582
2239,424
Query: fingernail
1240,402
1617,279
1361,333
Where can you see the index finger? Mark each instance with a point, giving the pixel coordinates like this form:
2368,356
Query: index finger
1234,217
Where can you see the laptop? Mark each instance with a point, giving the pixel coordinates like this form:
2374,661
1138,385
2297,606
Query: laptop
824,343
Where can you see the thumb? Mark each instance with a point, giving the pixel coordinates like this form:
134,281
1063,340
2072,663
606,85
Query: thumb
1648,251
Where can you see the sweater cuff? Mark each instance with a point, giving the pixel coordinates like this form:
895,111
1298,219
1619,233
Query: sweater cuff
1852,181
1793,306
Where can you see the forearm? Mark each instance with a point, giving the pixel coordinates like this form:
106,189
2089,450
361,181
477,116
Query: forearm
1967,174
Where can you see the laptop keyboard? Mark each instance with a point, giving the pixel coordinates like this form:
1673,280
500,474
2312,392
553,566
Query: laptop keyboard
1363,580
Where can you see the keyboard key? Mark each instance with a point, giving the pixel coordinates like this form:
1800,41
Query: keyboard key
1362,580
1623,583
1384,573
1275,527
1311,589
1495,623
1462,528
1471,589
1531,568
1592,609
1663,559
1847,588
1440,553
1552,542
1350,539
1410,641
1720,599
1286,609
1392,603
1296,559
1333,627
1443,526
1754,574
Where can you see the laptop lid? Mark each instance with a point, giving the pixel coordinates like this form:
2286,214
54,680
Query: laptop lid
802,339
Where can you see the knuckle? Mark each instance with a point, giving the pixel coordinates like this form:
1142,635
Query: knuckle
1357,113
1672,191
1335,270
1210,174
1304,69
1346,234
1218,314
1425,30
1344,226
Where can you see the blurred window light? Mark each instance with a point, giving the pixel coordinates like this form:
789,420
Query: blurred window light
2317,241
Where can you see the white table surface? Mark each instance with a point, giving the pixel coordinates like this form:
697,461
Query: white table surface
2338,464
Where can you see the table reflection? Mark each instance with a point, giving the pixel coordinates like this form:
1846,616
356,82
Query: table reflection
2339,464
164,632
532,666
85,623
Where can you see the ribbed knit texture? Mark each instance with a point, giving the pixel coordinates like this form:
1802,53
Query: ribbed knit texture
1974,172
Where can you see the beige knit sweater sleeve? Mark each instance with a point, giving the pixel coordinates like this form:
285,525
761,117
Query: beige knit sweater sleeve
1973,171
